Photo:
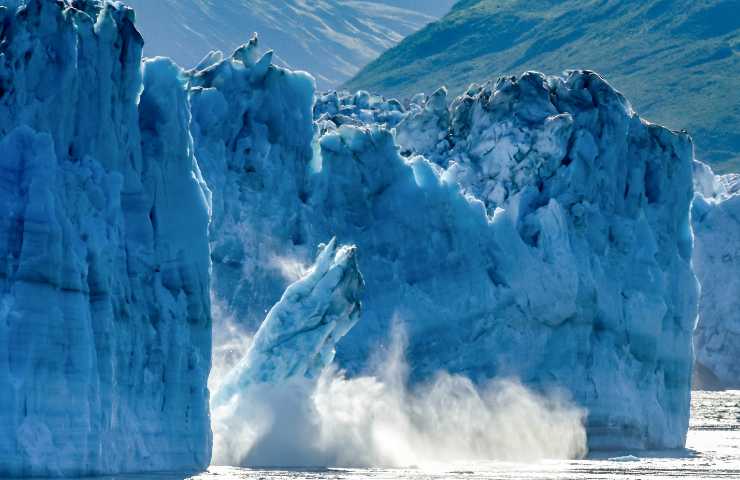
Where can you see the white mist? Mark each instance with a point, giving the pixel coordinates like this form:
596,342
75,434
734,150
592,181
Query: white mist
380,421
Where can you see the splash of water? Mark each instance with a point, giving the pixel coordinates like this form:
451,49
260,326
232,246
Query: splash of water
230,343
380,421
292,268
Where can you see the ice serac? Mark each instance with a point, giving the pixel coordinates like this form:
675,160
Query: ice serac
548,238
716,221
104,264
298,337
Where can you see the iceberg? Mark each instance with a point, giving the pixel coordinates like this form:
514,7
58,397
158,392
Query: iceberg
537,228
105,324
715,217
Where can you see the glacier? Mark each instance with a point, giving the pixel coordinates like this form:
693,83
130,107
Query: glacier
105,323
535,227
716,221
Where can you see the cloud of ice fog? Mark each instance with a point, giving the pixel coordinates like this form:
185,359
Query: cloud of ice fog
379,421
230,343
290,268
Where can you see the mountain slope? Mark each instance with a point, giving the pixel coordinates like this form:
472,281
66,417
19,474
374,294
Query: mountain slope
677,60
330,38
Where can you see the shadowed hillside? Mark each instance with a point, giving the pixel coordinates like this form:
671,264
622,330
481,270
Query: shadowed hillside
677,60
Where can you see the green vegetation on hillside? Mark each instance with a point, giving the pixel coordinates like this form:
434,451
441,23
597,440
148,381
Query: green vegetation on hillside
678,61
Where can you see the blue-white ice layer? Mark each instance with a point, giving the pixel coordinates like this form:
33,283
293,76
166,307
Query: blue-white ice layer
105,324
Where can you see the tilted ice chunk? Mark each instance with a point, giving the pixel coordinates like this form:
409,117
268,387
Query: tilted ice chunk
716,220
300,333
104,304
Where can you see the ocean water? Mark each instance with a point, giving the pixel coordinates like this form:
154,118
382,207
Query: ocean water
712,452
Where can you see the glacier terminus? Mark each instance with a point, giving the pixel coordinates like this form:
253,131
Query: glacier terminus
534,230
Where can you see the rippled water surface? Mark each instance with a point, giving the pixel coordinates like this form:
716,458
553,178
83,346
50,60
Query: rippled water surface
713,451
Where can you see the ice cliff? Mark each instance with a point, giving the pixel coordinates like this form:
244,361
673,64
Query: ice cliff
252,130
578,274
548,238
716,222
105,322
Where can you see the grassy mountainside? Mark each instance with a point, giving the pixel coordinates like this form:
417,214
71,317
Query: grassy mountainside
678,61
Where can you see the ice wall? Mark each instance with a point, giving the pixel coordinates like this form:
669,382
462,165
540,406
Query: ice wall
716,221
253,131
548,239
602,197
104,266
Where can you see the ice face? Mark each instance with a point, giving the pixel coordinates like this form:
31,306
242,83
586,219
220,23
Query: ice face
556,272
299,335
253,138
105,309
716,220
547,239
